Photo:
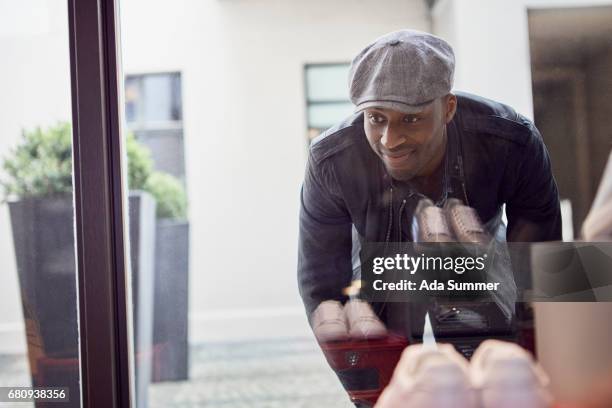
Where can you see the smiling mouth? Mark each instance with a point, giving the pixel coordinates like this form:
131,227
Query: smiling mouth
398,158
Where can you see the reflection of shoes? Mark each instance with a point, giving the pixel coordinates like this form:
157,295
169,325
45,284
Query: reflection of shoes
508,377
429,378
329,322
363,322
460,316
429,223
465,222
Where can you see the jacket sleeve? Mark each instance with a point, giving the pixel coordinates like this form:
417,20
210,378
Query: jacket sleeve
324,253
533,208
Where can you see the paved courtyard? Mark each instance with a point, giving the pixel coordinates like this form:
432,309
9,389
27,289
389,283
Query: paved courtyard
288,373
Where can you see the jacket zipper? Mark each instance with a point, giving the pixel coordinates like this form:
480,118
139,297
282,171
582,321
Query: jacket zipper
390,223
399,221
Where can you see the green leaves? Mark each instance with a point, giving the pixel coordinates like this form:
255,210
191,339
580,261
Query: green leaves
41,165
169,194
140,164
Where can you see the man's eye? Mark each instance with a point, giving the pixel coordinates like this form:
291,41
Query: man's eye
376,119
412,119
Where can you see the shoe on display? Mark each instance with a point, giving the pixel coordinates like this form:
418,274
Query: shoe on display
507,376
427,377
465,222
429,223
363,322
329,322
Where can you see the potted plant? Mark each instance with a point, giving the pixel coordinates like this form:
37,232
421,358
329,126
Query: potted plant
171,270
38,189
171,278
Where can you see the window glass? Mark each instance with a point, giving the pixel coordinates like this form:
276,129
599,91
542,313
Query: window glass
39,334
219,96
327,82
324,115
153,110
153,98
327,100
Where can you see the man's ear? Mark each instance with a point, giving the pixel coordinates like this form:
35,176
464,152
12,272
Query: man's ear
451,107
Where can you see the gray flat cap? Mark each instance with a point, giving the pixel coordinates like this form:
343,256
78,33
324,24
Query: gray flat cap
403,70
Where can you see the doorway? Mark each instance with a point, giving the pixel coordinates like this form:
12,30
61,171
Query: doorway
571,61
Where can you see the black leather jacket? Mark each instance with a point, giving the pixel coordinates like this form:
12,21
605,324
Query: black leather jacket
494,157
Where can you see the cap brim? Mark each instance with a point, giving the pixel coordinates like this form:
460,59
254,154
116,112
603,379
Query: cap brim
393,105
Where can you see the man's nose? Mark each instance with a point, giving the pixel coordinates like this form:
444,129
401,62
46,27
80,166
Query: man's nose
392,137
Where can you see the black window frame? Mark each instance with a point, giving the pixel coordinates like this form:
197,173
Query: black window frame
100,205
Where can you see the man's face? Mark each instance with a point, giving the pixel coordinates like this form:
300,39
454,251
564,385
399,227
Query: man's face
410,145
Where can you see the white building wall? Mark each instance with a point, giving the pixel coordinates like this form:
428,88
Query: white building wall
491,43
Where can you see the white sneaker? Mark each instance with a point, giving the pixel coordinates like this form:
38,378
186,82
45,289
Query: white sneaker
329,322
507,377
429,223
428,377
465,222
363,322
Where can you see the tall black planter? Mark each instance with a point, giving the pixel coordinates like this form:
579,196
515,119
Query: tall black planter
142,254
170,328
43,235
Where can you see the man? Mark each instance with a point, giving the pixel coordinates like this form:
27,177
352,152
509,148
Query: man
412,138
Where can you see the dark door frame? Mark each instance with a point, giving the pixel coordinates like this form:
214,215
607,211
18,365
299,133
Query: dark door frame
100,206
